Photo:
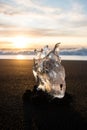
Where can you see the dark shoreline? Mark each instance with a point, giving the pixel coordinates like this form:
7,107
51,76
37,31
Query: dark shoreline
16,77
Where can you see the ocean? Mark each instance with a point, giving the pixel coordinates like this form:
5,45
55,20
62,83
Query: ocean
30,57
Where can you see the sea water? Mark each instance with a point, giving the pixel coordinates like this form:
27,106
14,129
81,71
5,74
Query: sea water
27,57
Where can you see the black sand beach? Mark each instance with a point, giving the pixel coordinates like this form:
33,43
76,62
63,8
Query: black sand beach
16,77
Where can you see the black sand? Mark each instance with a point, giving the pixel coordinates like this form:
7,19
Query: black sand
16,77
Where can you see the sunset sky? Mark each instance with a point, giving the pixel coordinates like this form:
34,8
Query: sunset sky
34,23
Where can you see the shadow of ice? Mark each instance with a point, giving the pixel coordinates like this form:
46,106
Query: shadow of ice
43,112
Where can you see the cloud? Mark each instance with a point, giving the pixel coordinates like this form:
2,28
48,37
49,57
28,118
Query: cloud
7,8
39,32
38,19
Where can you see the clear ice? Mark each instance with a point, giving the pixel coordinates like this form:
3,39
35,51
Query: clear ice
49,72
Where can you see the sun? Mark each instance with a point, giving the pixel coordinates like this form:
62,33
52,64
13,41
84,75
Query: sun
20,42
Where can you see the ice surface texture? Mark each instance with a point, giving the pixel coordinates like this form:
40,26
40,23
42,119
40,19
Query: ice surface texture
49,72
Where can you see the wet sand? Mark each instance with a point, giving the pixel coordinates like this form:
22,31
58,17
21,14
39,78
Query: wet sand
16,77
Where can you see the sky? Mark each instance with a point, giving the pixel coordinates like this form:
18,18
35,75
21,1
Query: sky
35,23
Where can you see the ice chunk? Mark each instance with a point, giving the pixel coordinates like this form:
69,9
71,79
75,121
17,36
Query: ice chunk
49,72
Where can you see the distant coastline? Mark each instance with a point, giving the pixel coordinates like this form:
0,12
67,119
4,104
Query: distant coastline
65,51
65,54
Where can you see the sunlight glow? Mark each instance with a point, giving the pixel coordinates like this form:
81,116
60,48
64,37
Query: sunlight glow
20,57
20,42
